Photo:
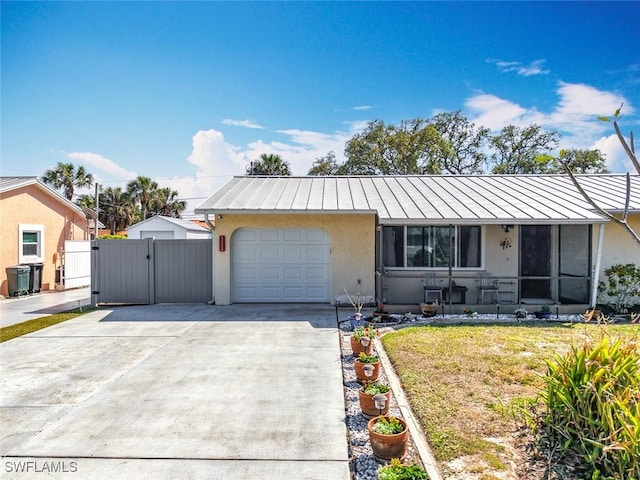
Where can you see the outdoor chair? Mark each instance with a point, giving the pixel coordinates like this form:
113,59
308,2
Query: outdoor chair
487,286
432,287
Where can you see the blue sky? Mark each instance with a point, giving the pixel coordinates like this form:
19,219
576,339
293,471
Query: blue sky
188,93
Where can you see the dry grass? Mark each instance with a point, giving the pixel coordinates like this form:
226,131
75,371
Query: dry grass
467,385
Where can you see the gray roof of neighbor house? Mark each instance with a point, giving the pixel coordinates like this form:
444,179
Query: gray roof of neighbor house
433,198
8,184
186,224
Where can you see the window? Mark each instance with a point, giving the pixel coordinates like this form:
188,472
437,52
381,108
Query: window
430,247
31,248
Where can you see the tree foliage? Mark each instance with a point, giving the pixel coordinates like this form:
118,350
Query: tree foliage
325,166
463,153
67,177
580,161
515,150
408,148
141,190
269,164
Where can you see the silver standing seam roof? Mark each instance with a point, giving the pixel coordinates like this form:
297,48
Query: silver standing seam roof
433,199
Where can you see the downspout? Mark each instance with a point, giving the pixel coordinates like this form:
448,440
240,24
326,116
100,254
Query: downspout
596,273
213,258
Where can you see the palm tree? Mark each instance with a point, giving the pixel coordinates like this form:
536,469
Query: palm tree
165,202
269,164
117,209
142,190
65,176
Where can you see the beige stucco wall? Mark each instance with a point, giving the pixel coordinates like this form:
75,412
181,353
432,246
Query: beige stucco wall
618,245
30,205
352,247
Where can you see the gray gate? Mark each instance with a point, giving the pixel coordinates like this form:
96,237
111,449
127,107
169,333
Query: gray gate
151,271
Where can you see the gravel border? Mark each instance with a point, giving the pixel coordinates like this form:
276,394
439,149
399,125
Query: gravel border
362,462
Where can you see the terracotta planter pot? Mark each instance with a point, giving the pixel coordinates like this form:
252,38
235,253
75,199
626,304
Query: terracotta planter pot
357,348
429,310
387,447
359,368
368,406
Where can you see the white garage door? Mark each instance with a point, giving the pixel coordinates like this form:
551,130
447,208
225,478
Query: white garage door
280,265
158,234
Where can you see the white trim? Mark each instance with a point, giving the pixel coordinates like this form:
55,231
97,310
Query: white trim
31,228
596,270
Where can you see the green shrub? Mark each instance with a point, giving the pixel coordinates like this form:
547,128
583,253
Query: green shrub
112,237
592,399
397,471
364,358
620,289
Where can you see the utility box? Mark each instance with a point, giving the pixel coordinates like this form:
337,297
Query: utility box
18,280
35,277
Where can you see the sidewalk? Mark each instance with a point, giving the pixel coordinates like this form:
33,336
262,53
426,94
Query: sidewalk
20,309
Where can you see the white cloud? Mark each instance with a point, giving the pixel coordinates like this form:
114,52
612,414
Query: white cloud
242,123
574,116
363,107
102,163
533,68
617,160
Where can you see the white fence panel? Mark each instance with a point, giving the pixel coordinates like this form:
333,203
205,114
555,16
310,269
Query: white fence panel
77,263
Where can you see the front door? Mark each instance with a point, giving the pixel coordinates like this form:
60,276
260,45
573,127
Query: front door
535,261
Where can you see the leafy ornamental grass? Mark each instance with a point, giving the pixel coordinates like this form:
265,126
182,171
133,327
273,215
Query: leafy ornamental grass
19,329
469,386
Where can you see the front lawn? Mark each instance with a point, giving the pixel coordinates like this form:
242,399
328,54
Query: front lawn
468,386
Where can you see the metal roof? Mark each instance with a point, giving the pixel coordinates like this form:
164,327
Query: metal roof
8,184
432,198
186,224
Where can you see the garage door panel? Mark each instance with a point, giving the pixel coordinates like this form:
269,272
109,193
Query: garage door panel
269,254
317,254
316,235
292,274
293,235
269,235
293,253
269,273
281,265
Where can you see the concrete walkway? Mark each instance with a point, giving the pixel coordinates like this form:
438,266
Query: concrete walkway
20,309
177,391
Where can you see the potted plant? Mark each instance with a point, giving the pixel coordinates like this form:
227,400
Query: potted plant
365,359
356,340
367,402
544,312
380,312
521,313
429,309
396,470
389,437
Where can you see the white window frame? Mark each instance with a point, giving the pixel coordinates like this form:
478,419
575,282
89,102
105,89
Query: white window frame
30,228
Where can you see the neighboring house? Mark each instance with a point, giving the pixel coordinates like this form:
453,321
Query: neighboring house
161,228
306,239
36,222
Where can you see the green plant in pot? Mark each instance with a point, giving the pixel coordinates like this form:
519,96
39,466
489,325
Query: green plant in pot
368,333
396,470
367,401
361,369
389,437
544,312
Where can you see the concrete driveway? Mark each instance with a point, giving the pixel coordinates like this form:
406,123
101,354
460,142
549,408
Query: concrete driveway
177,391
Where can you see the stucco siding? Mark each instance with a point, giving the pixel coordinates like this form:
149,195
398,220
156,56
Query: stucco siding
352,248
29,205
618,245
